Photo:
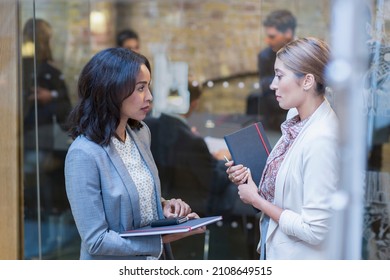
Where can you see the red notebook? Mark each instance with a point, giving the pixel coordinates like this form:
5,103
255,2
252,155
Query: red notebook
250,147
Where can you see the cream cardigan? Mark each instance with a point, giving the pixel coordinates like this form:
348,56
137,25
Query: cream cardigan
307,178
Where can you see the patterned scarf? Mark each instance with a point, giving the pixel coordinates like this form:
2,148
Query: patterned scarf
290,130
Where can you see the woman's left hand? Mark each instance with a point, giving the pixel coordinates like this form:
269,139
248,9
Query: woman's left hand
175,208
248,192
176,236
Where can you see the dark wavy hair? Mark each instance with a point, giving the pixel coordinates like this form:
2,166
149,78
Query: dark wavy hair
105,81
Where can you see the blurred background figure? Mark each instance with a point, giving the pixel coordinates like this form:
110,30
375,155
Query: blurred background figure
46,105
188,170
279,27
128,39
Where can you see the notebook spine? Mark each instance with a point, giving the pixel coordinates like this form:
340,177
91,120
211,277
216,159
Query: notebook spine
230,150
262,138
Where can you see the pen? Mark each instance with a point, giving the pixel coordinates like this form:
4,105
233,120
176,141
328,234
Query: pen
226,158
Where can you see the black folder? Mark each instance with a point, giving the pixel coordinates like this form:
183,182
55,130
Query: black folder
250,147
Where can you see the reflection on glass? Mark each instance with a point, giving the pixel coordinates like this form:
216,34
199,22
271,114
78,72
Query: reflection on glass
219,41
46,105
376,232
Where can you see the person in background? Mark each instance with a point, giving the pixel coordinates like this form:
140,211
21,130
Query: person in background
301,173
111,178
187,169
279,27
128,39
46,105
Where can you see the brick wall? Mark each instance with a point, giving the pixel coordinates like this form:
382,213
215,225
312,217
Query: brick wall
217,39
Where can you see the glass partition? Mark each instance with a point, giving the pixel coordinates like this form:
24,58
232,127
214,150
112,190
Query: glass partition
52,53
376,234
208,49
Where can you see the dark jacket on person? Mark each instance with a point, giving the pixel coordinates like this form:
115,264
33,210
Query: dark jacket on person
186,167
263,102
57,110
265,64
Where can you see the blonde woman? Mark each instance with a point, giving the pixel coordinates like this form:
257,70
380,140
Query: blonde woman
301,172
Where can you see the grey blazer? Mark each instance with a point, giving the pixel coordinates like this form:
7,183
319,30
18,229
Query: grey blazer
104,200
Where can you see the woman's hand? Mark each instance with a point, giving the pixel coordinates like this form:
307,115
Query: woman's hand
248,192
176,236
175,208
238,174
43,96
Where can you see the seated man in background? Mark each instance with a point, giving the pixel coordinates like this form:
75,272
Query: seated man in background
186,167
188,170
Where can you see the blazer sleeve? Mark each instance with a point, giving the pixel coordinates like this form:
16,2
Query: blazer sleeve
84,193
320,180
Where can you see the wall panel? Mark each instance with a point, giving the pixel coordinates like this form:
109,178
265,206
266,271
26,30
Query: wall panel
10,200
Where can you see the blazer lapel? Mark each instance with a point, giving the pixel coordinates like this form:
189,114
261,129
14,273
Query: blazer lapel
127,181
145,153
148,158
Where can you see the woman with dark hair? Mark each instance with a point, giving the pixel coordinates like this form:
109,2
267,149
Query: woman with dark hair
301,174
111,178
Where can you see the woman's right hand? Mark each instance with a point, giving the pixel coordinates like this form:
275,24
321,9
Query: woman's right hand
237,174
175,208
176,236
